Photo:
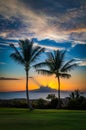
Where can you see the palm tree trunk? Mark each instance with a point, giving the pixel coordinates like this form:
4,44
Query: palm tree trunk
59,103
27,93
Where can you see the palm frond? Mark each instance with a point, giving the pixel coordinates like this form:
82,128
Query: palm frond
59,58
39,65
12,46
44,72
69,67
64,75
67,64
35,49
26,48
50,56
37,54
17,55
52,60
62,56
25,43
21,43
17,58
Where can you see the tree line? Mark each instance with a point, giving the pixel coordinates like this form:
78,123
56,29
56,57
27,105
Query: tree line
75,101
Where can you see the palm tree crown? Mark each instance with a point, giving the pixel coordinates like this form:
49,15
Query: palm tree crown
27,54
55,64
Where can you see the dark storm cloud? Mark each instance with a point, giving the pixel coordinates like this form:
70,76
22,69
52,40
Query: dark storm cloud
12,23
54,6
72,11
8,27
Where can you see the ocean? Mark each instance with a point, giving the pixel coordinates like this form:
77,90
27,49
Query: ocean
33,95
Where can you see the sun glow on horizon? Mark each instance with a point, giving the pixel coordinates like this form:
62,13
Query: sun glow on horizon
40,80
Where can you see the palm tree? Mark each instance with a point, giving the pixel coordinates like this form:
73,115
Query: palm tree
54,64
26,55
75,95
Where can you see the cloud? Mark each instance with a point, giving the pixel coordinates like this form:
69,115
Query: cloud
74,42
81,62
9,8
60,21
4,78
4,34
48,47
52,45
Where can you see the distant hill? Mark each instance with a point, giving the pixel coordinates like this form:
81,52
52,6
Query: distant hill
44,89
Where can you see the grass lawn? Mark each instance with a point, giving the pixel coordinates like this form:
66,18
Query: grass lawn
22,119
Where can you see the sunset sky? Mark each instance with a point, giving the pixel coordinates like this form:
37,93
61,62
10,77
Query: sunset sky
53,24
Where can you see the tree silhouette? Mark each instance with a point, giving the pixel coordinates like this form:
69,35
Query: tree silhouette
55,64
26,55
75,95
51,96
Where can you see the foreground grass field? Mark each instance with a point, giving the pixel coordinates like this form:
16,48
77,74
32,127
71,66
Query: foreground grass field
22,119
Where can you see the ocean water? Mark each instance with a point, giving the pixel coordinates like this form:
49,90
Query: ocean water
33,95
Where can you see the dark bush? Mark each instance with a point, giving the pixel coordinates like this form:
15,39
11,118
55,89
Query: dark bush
83,105
39,103
77,104
22,103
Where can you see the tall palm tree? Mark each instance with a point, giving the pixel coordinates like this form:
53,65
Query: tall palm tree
56,65
26,55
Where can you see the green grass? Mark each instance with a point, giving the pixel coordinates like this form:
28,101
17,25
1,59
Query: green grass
22,119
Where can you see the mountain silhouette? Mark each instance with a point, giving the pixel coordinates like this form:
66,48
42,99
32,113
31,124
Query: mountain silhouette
44,89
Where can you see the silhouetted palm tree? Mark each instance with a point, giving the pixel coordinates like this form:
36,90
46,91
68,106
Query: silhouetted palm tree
75,95
55,64
26,55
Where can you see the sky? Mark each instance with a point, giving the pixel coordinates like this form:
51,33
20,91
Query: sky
53,24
